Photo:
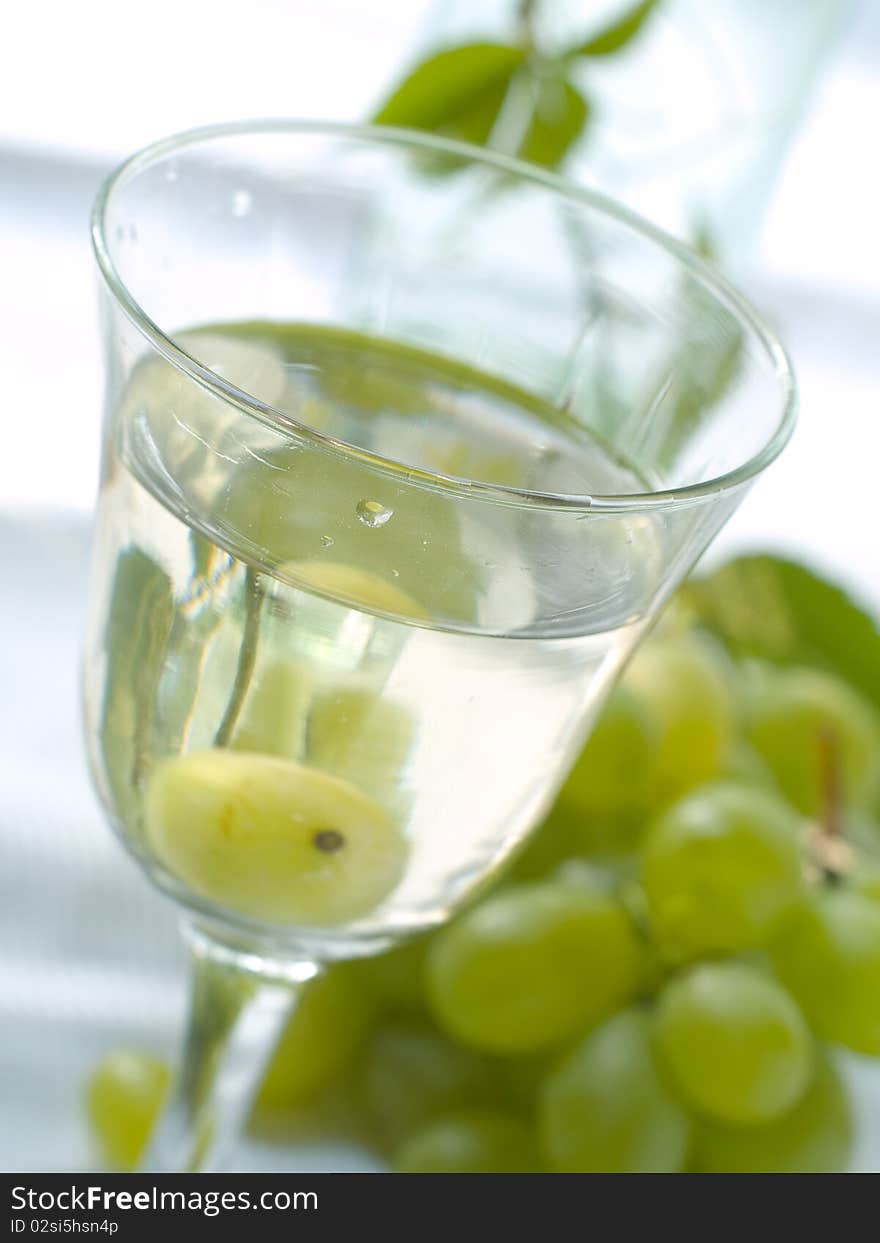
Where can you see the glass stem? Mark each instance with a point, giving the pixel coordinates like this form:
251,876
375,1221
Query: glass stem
235,1019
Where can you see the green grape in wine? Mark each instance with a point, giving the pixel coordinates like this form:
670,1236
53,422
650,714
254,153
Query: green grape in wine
350,583
271,839
389,568
361,737
273,721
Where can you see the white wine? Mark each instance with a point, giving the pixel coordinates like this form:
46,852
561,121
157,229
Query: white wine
327,698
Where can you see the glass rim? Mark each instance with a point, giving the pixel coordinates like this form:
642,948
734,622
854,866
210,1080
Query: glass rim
711,279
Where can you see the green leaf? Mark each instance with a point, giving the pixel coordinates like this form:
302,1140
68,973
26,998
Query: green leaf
778,610
477,122
561,114
617,34
456,92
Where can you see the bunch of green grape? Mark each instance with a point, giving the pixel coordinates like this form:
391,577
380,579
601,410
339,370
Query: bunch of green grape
663,979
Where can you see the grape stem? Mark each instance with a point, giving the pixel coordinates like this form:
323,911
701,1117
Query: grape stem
247,658
831,854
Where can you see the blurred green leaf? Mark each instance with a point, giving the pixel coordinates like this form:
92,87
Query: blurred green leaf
561,114
777,610
457,92
619,33
477,122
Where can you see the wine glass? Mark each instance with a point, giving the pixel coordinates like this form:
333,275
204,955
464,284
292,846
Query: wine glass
405,446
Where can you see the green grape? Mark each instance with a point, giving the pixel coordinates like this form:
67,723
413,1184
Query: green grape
532,967
734,1042
362,738
610,775
397,976
828,955
719,868
349,582
412,1073
742,764
469,1143
588,833
685,685
288,505
615,877
865,878
124,1095
271,839
813,1138
522,1078
861,831
273,721
606,877
547,846
811,728
329,1025
605,1109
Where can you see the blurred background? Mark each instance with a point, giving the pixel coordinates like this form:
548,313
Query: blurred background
749,123
84,86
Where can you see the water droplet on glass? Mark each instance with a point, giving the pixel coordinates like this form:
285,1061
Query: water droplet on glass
242,201
373,513
395,573
327,541
171,174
